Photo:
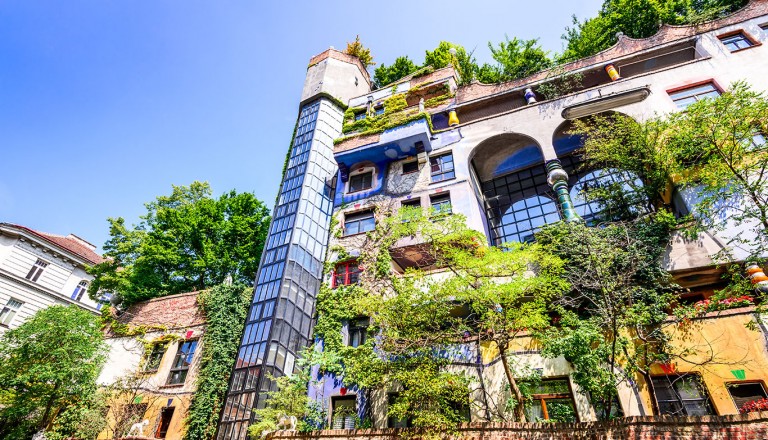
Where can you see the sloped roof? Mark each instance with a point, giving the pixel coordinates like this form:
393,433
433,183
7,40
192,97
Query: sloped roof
70,243
178,311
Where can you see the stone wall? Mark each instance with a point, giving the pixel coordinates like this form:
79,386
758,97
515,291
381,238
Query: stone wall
753,426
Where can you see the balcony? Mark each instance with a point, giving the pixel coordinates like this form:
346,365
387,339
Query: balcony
411,139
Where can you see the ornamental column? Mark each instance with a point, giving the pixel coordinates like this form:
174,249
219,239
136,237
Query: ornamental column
557,178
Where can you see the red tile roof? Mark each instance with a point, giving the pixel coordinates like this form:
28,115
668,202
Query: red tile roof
70,243
178,311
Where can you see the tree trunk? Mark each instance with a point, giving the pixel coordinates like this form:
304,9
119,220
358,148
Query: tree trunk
519,407
48,407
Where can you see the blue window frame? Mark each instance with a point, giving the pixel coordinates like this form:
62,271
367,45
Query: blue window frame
80,290
359,222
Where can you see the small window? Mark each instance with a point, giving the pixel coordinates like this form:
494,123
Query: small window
410,167
736,42
682,395
551,399
442,167
181,362
37,270
346,273
743,393
80,290
104,300
441,204
360,182
413,204
392,422
358,328
685,97
358,223
359,116
764,26
378,111
343,412
758,142
166,414
9,311
155,357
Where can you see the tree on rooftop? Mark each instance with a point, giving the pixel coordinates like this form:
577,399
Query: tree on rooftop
48,369
462,61
186,241
357,49
519,58
402,67
636,19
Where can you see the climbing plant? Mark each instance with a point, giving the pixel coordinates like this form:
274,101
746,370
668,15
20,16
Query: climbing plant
225,308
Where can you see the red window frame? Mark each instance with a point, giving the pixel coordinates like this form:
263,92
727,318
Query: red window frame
344,272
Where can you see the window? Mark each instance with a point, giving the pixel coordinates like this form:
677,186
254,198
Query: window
359,222
181,362
737,41
412,204
441,204
36,270
758,142
551,399
392,422
166,414
346,273
360,182
442,167
410,167
359,116
343,412
743,393
764,26
9,311
80,290
681,395
105,299
358,328
685,97
155,357
378,111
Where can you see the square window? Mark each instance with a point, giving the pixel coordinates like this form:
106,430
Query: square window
359,116
359,223
743,393
360,182
685,97
441,204
9,311
346,273
441,167
343,412
736,41
551,399
410,167
682,395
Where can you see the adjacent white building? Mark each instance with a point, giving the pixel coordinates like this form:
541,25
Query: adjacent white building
38,270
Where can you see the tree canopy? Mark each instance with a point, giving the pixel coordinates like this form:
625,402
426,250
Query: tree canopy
186,241
402,67
357,49
48,371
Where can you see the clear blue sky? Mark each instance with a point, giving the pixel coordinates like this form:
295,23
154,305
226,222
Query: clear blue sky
105,104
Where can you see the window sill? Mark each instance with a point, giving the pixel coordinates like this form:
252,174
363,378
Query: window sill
172,385
349,193
356,234
442,181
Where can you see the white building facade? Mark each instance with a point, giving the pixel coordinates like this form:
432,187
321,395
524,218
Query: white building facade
39,270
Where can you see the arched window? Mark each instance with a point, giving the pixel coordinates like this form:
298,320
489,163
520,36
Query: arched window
80,290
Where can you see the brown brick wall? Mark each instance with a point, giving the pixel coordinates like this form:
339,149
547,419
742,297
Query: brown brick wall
753,426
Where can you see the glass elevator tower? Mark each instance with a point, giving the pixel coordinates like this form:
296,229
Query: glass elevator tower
280,319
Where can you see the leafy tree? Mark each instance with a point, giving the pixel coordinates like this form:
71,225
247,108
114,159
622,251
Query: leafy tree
611,319
463,61
720,152
401,68
225,307
715,148
357,49
48,369
637,19
519,58
186,241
